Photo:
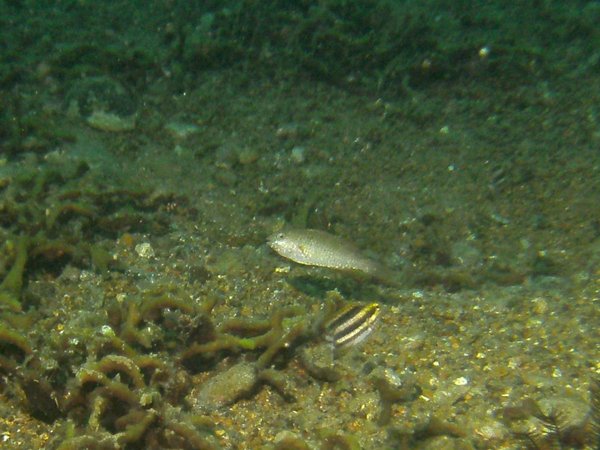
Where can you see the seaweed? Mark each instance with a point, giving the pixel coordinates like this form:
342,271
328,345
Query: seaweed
124,397
14,347
595,412
124,385
53,223
286,326
392,389
10,289
291,443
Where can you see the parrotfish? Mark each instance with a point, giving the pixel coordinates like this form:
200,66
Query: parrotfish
321,249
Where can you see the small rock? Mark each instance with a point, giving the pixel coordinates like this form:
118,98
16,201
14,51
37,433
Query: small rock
181,131
288,131
111,122
298,154
225,388
144,250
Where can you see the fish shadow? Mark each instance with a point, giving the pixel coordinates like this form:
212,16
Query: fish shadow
352,289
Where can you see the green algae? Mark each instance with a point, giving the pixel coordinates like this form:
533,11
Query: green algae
10,289
119,364
154,302
14,348
127,384
68,209
291,443
111,375
100,258
333,440
58,223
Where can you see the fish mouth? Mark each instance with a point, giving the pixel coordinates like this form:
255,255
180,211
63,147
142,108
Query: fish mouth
274,245
272,242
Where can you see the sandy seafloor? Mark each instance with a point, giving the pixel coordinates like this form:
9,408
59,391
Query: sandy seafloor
486,199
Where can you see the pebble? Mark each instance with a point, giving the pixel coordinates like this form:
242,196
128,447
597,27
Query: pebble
298,154
180,130
110,122
288,131
144,250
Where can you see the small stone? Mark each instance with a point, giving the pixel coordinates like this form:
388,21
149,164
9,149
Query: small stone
461,381
104,121
298,155
180,130
288,131
540,305
144,250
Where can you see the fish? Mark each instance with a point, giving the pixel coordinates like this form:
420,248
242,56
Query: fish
351,325
321,249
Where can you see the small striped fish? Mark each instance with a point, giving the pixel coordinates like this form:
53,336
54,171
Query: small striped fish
352,325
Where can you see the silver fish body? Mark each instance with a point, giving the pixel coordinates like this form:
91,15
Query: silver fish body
321,249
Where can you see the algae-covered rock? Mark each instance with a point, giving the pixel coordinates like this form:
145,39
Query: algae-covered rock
224,388
319,362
